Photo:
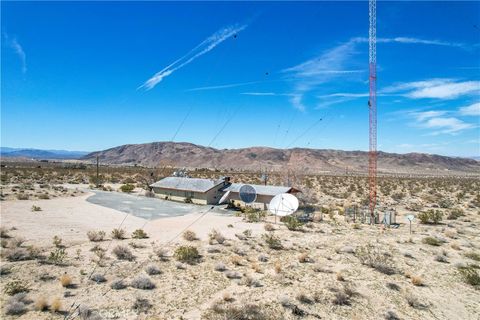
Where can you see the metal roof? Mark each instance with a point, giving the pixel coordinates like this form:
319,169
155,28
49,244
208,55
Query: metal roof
261,189
187,184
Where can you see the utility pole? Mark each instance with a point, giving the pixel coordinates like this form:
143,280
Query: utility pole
97,179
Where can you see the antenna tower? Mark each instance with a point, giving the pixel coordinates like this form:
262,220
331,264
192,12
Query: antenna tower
372,104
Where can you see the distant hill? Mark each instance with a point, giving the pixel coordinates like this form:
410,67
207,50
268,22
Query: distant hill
40,154
158,154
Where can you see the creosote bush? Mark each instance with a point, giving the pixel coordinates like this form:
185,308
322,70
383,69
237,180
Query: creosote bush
118,284
272,241
119,234
292,223
152,270
139,234
430,216
127,188
431,241
470,275
15,286
187,254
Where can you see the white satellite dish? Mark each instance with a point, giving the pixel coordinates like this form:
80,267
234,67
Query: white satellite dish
224,197
410,217
247,193
283,204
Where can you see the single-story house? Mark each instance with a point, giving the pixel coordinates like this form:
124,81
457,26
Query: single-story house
208,191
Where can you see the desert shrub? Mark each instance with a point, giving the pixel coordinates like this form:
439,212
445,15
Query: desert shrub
36,208
236,260
456,213
231,274
16,305
272,241
98,278
139,234
292,223
118,284
220,311
149,194
96,236
371,256
57,256
187,254
123,253
304,298
416,281
56,305
22,196
250,281
473,255
445,203
189,235
41,304
152,270
4,233
390,315
16,254
220,267
119,234
303,258
127,188
414,302
253,216
15,286
57,242
16,242
470,275
430,216
43,196
269,227
431,241
65,280
161,253
215,235
247,233
5,269
393,286
136,245
262,257
141,305
142,282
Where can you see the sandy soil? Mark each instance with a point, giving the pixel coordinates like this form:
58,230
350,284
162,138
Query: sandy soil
282,283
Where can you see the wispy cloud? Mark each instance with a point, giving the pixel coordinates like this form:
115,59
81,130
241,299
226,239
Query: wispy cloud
471,110
337,63
204,47
435,89
446,125
224,86
421,116
18,49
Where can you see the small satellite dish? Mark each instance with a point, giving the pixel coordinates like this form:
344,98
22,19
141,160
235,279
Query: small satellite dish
283,204
224,197
247,193
410,217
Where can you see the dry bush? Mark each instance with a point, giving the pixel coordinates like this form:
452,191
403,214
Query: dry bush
227,296
414,302
393,286
98,278
16,305
220,267
245,311
142,282
36,208
231,274
262,257
215,235
340,276
455,246
473,255
161,253
141,305
269,227
303,258
123,253
118,284
152,270
250,281
65,280
189,235
4,233
236,260
41,304
56,305
277,266
119,234
256,267
390,315
417,281
95,236
372,256
304,298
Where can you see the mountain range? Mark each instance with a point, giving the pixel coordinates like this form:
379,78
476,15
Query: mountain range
188,155
40,154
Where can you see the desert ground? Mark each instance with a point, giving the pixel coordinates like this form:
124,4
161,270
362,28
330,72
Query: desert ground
64,257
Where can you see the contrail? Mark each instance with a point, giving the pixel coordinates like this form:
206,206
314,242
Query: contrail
205,46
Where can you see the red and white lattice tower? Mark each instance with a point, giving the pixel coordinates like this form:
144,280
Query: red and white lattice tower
372,103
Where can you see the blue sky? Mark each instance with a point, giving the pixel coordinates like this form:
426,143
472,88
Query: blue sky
91,75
